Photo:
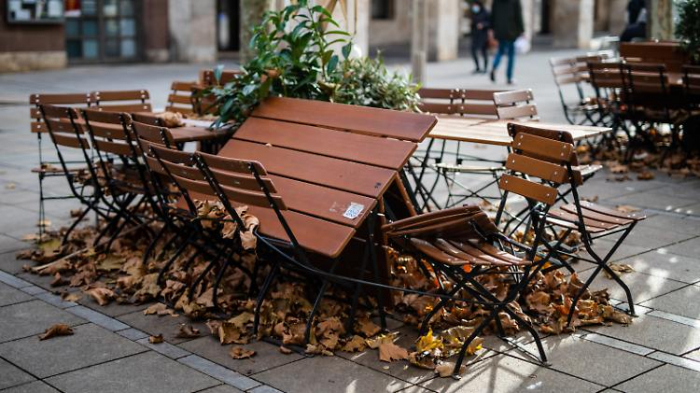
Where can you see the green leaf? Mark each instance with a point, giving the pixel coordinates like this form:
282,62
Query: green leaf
332,63
347,49
217,73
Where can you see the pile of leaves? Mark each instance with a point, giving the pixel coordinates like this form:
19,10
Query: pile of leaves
119,276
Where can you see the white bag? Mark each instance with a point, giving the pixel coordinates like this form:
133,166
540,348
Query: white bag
522,45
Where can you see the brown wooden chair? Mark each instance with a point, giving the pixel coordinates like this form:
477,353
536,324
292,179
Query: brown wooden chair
460,244
67,135
207,77
571,77
537,168
128,101
181,98
119,169
463,102
667,53
46,168
515,105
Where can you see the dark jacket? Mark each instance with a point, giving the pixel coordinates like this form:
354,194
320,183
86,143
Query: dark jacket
484,18
507,19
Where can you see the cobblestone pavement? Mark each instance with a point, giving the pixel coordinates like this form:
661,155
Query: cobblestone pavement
109,352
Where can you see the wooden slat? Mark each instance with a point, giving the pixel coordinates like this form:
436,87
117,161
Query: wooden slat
517,112
510,97
59,99
330,172
426,92
363,120
70,141
121,149
242,180
388,153
128,108
120,95
534,167
180,99
111,131
528,189
552,150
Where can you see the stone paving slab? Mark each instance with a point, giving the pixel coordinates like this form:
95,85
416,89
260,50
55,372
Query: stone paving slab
11,244
643,286
219,372
33,387
12,376
267,355
10,295
43,282
574,356
97,318
504,373
689,248
654,201
31,318
10,264
113,309
328,374
682,302
667,379
657,333
89,345
146,373
666,265
222,389
402,369
166,325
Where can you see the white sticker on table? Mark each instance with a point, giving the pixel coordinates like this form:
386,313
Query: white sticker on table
354,210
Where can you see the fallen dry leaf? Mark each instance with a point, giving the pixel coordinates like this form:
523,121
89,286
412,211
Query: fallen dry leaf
59,329
356,344
627,208
157,339
187,331
645,175
101,295
237,352
619,268
388,352
285,350
445,369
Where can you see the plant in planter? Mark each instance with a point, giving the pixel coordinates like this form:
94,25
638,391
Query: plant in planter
688,28
294,57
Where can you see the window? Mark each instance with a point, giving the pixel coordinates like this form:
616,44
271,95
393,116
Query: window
383,9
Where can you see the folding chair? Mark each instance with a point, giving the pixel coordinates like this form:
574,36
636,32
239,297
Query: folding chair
45,169
290,236
129,101
572,74
180,168
461,245
181,98
464,103
119,168
516,105
650,103
67,133
553,162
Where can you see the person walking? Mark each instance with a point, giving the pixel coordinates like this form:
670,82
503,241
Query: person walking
480,22
507,26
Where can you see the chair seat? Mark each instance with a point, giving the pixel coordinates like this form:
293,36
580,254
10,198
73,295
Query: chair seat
596,218
463,253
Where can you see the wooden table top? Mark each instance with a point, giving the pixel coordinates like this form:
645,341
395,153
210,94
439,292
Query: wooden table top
196,131
333,170
495,132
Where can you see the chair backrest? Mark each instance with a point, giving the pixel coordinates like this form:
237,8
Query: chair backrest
691,83
538,156
241,181
109,132
180,98
666,53
473,103
60,123
147,118
149,134
642,79
605,75
564,70
79,100
208,79
129,101
516,104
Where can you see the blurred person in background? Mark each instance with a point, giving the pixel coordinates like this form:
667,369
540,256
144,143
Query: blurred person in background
507,26
636,21
480,22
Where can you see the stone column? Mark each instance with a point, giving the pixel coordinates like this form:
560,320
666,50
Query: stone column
419,39
573,23
617,12
660,19
443,36
192,25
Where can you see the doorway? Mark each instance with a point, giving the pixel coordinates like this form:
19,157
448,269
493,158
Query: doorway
228,25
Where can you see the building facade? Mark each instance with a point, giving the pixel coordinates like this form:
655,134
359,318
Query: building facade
44,34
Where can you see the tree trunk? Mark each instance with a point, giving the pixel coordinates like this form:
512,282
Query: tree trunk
251,15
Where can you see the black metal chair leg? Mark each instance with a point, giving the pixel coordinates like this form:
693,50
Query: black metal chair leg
261,296
463,351
152,244
219,277
74,225
170,262
317,302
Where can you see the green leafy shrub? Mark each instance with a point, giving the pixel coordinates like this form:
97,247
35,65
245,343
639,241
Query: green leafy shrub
688,28
294,57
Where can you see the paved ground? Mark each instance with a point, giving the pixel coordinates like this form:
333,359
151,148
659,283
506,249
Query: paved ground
110,353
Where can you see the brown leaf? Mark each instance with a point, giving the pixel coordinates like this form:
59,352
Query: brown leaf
101,295
645,175
285,350
71,296
445,369
237,352
187,331
158,339
59,329
368,328
58,280
356,344
627,209
388,352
